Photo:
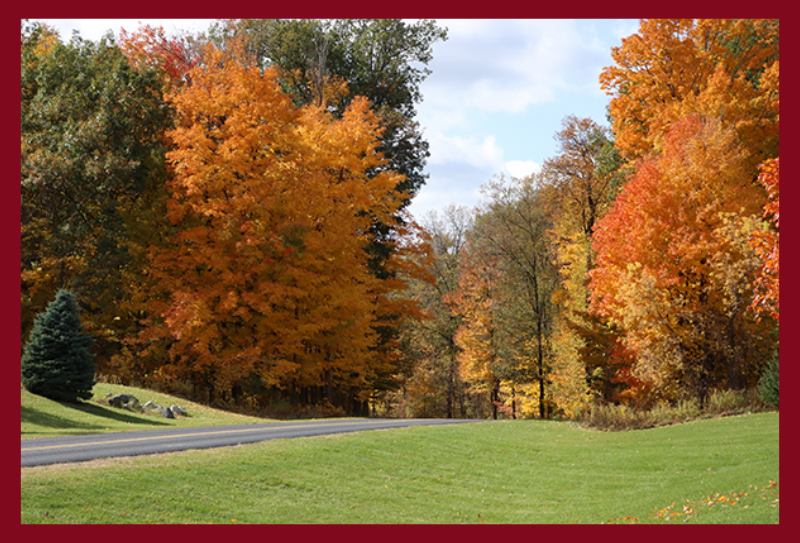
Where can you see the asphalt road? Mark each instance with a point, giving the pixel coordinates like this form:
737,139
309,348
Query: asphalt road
53,450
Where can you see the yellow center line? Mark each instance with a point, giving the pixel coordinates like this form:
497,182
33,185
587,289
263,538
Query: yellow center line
218,432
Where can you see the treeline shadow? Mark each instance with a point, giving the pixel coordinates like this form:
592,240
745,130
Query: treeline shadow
49,420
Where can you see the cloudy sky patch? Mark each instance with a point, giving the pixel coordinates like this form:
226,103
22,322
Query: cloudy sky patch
522,168
499,91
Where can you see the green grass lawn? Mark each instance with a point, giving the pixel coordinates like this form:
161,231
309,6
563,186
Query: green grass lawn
530,472
42,417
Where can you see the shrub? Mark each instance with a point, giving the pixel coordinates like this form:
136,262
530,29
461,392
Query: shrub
768,385
623,417
664,414
56,362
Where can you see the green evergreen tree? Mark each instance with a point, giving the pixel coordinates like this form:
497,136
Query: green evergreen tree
768,385
56,362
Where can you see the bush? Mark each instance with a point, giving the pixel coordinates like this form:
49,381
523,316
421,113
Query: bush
623,417
56,362
768,385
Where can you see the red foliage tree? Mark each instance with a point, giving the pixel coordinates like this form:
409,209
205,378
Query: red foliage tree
150,46
670,270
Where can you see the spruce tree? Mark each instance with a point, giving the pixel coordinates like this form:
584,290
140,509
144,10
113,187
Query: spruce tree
56,362
768,385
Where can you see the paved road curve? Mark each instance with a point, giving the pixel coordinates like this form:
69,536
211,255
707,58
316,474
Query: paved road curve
53,450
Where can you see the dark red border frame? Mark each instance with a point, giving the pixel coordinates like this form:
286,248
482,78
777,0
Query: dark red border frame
10,225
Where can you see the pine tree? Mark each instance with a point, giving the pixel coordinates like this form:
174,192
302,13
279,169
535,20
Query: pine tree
56,362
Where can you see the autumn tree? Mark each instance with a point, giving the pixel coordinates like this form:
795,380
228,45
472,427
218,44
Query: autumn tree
578,178
335,61
266,284
726,69
512,271
669,76
480,337
92,172
170,56
674,269
432,385
578,186
384,60
765,243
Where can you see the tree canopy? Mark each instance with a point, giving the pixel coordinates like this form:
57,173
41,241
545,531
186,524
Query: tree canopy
231,211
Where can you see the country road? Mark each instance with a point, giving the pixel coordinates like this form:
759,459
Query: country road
53,450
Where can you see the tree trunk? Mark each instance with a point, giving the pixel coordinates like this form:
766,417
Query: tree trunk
513,403
541,398
494,397
329,386
733,365
451,388
540,355
211,390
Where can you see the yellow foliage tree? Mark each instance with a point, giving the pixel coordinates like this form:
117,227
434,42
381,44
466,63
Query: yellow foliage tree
578,187
478,336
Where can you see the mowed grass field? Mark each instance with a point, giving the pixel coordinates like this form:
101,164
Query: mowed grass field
42,417
512,472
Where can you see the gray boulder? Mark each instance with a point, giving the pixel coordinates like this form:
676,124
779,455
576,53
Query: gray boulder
124,401
152,408
131,403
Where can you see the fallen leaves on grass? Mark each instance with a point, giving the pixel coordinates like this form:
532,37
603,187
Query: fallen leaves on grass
621,520
675,513
691,509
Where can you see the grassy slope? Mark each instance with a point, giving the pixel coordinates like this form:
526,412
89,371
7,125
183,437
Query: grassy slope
526,472
45,418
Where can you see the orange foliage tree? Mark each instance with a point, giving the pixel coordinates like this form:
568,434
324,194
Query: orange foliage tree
266,283
765,244
674,269
724,68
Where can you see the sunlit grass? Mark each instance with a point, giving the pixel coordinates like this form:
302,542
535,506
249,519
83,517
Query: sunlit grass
528,472
42,417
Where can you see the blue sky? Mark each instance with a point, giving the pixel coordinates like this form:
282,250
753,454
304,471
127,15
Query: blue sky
497,95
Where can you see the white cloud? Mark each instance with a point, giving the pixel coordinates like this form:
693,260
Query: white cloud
495,96
522,168
509,65
430,200
455,149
